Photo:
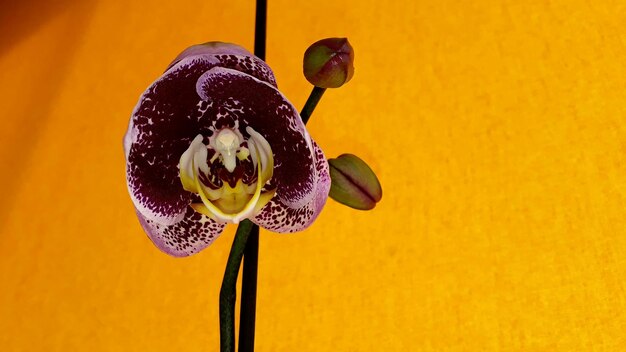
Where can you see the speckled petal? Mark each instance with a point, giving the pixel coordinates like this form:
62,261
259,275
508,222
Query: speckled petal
167,118
254,103
211,48
231,58
188,236
278,217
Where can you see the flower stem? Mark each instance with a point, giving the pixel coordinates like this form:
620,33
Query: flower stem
260,29
228,292
248,292
311,103
247,317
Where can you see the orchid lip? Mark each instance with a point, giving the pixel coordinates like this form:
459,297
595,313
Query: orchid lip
225,196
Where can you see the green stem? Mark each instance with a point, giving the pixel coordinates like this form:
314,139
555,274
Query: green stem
228,292
311,103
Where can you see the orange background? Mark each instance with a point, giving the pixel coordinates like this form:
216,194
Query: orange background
497,129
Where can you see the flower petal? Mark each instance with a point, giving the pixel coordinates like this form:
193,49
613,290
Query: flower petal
245,100
233,59
188,236
166,119
211,48
278,217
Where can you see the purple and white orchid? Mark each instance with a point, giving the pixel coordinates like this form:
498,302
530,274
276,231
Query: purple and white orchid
213,141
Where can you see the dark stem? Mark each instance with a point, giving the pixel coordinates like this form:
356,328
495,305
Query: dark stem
228,292
248,292
260,29
311,103
247,318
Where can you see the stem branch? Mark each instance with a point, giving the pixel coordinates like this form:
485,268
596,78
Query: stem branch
311,103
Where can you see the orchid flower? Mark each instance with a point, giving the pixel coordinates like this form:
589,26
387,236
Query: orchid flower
213,141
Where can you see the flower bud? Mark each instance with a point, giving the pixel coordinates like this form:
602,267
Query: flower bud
353,183
329,63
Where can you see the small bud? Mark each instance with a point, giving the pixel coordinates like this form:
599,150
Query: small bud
353,183
329,63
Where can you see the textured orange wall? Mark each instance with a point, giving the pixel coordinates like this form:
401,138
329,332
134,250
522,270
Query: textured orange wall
497,129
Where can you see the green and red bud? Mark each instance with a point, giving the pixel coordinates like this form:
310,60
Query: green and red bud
329,63
353,183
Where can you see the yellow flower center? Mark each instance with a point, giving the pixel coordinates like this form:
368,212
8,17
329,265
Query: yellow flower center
231,182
